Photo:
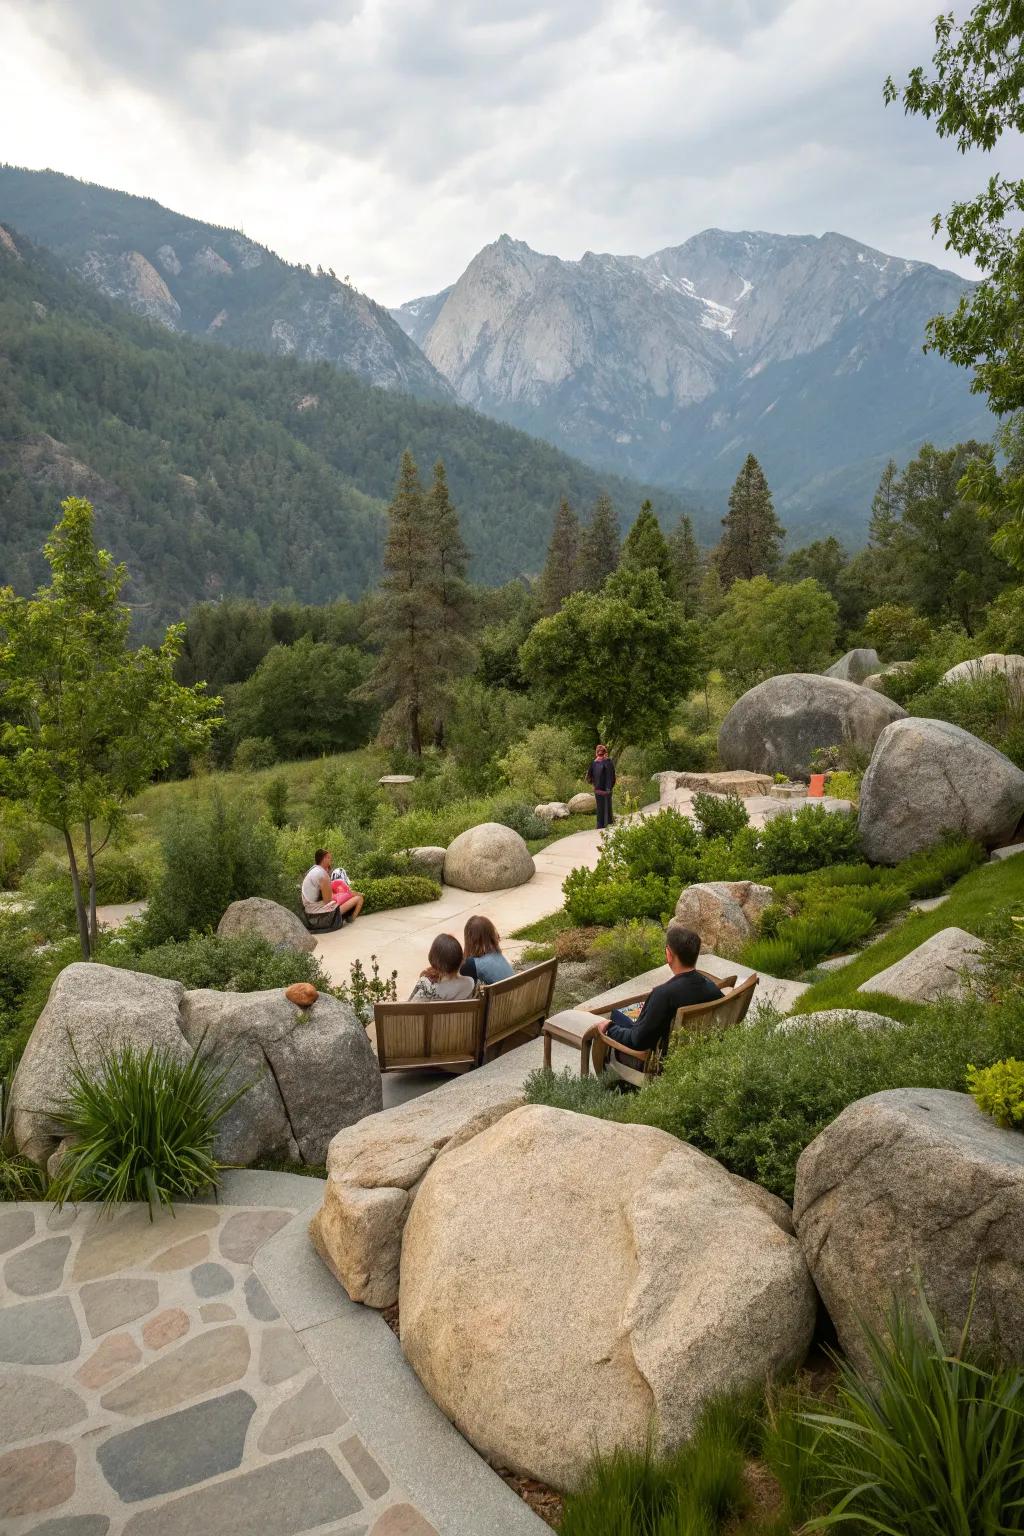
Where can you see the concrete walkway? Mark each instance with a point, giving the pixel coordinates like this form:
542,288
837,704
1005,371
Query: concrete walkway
158,1379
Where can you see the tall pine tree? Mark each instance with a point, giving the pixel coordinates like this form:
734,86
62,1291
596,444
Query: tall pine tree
451,599
687,571
561,577
645,548
752,542
600,545
405,619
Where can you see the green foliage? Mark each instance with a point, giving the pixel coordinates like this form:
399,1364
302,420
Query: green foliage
560,577
774,956
398,891
615,662
343,797
928,873
215,851
628,950
667,844
764,629
599,547
807,839
719,815
1004,624
990,706
520,817
998,1091
254,753
927,1441
831,931
483,725
604,900
142,1128
646,549
246,963
547,764
844,784
275,794
897,631
21,838
362,990
751,542
122,874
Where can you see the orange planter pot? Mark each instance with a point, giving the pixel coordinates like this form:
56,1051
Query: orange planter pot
816,788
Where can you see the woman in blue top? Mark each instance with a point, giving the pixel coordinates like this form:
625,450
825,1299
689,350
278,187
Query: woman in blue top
484,960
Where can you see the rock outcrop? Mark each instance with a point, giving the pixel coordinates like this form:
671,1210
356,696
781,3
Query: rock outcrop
593,1307
855,666
909,1188
552,810
490,857
268,920
995,664
310,1069
777,726
935,969
428,860
725,913
928,778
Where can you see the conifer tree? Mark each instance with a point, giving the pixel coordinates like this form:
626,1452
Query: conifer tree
687,571
560,577
600,545
752,542
645,548
405,618
450,596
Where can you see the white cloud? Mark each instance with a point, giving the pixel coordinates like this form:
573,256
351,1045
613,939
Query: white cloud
390,139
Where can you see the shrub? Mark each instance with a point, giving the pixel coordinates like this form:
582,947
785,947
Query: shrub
245,963
398,891
928,1441
121,875
720,815
276,796
807,839
774,956
628,950
928,873
729,860
575,943
343,797
844,784
522,820
361,991
591,898
21,839
667,845
215,852
998,1091
142,1129
830,932
254,753
547,764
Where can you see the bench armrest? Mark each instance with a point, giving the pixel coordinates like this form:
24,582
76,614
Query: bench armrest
620,1002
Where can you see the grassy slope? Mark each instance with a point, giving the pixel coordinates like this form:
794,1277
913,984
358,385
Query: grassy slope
968,904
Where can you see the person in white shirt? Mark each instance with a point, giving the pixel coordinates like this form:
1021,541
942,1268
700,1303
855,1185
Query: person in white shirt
320,893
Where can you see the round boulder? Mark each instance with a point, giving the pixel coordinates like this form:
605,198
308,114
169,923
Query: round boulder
993,665
776,727
725,913
927,778
552,810
855,666
915,1188
583,804
596,1306
428,860
268,920
489,857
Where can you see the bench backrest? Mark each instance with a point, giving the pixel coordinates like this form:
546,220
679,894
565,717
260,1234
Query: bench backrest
428,1034
519,1002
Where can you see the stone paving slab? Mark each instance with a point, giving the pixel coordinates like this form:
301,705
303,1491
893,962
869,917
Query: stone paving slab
150,1385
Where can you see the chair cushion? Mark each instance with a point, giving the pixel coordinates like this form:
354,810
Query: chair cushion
574,1021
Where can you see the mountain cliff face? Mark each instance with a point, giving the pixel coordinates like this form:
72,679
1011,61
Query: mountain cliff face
804,350
199,278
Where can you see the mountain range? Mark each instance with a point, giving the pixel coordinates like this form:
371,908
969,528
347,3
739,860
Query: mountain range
805,350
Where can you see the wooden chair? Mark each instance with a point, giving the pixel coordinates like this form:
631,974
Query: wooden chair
417,1035
638,1067
518,1005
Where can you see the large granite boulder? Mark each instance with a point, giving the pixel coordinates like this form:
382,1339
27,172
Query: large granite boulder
91,1010
927,778
567,1284
938,968
994,664
855,666
269,920
916,1187
725,913
489,857
776,727
374,1169
310,1070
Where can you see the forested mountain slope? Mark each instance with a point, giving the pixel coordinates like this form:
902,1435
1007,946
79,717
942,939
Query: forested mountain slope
220,471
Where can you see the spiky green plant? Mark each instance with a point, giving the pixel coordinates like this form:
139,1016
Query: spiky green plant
142,1128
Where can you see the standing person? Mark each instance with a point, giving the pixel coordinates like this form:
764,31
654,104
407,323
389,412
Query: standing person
319,894
601,774
484,960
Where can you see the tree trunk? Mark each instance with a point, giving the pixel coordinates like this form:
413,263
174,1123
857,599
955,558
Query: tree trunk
76,886
90,879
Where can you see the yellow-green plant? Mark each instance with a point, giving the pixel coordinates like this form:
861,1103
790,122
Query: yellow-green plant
998,1091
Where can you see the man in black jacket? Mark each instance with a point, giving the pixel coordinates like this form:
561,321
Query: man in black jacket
685,986
601,774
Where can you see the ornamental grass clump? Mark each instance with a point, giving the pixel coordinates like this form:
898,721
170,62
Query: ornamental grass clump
142,1128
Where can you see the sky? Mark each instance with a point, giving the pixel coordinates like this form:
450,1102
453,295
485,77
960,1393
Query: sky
391,139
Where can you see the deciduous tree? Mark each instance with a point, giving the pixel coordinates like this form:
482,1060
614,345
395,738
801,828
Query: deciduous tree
765,629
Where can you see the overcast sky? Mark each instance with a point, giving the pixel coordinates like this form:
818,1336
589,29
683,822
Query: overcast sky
391,139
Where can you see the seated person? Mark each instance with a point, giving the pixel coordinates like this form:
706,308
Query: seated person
441,982
484,960
321,894
684,987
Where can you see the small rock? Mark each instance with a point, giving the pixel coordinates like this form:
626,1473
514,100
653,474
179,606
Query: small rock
583,804
428,860
302,993
552,810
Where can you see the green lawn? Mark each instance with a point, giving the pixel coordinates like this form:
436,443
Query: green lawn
970,902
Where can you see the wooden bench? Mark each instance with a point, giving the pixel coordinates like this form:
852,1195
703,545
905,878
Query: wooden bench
456,1036
638,1067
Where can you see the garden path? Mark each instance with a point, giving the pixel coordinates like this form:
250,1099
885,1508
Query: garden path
205,1373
